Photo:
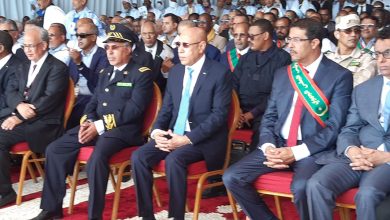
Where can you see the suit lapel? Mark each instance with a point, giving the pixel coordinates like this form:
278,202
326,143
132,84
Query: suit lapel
373,104
199,82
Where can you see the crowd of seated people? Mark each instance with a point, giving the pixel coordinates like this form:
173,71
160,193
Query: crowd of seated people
312,78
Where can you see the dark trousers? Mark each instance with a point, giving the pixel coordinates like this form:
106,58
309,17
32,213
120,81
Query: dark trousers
61,156
336,178
78,110
7,140
176,163
383,210
239,179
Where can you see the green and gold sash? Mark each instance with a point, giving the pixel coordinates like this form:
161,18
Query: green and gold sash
233,58
312,97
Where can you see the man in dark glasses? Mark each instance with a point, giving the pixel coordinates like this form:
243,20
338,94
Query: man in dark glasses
294,130
84,68
348,54
191,125
112,121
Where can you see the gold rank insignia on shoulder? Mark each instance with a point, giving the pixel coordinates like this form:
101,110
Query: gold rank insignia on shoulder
83,119
143,69
109,121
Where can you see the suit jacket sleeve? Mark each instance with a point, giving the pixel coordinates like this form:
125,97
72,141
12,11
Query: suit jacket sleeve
92,73
220,108
165,114
9,82
350,133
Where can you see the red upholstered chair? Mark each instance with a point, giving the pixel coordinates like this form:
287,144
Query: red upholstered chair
244,135
198,170
345,202
119,160
30,157
277,184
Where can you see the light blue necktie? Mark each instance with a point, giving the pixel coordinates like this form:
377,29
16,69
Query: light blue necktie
386,110
182,117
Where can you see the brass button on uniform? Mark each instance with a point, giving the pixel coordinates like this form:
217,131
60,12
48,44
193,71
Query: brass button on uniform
104,104
107,90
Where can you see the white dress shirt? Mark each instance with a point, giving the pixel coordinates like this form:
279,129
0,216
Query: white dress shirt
196,67
152,50
32,73
300,151
4,60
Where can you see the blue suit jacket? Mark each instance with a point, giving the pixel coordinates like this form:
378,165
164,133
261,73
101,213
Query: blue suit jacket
99,62
336,84
363,118
208,110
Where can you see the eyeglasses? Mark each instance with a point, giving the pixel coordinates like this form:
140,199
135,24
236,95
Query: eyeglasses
30,46
83,35
185,45
8,30
350,30
148,33
53,35
385,54
114,47
367,26
252,36
201,22
240,35
281,27
295,40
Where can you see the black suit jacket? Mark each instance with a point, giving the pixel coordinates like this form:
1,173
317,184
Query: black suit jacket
121,102
369,8
336,84
48,94
7,80
157,63
99,62
208,110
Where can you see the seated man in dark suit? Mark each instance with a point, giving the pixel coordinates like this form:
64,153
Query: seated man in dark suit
36,101
84,68
159,51
113,120
191,125
254,73
9,64
294,130
363,158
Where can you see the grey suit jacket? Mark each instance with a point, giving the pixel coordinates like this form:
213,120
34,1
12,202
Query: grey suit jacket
363,127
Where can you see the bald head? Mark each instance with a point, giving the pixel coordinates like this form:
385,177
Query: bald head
192,45
148,33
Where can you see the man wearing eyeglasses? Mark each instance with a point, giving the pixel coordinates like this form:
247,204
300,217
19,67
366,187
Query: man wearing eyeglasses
112,121
37,100
191,125
253,75
367,40
347,54
84,68
10,26
305,111
206,23
362,157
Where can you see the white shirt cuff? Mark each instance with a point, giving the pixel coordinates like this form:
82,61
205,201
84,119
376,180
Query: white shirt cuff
99,124
265,146
300,151
165,75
